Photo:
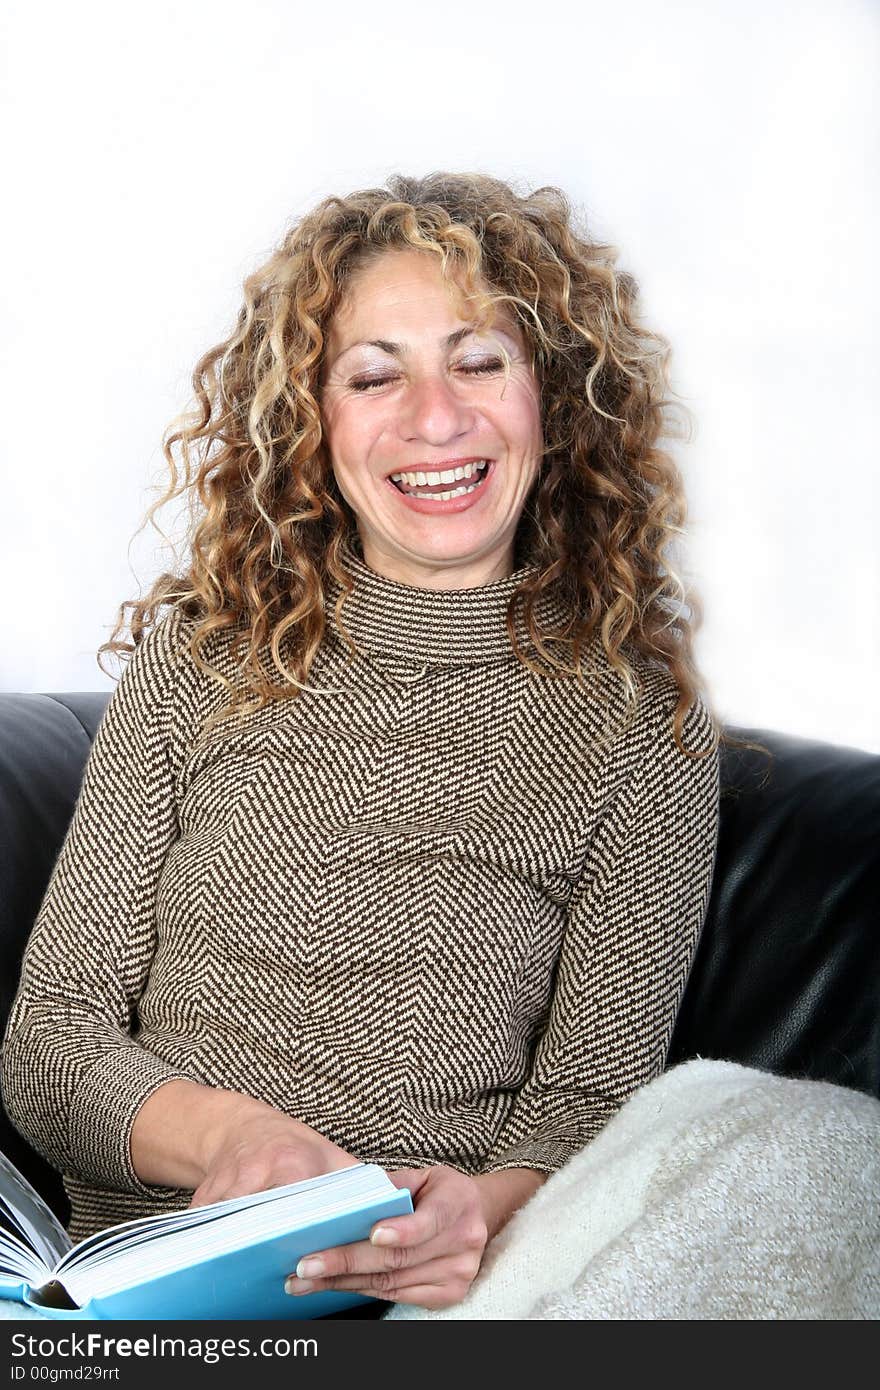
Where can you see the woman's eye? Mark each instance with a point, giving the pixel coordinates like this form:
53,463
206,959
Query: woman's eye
483,366
488,364
368,382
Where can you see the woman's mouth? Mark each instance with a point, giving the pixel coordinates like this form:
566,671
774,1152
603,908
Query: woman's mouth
449,489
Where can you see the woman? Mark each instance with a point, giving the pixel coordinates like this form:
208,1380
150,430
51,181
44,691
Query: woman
397,834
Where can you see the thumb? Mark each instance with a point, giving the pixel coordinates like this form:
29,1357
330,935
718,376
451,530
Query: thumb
392,1230
412,1178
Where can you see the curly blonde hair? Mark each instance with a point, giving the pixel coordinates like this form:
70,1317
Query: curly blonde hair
268,526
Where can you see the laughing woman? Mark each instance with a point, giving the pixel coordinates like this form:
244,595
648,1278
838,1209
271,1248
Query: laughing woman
397,834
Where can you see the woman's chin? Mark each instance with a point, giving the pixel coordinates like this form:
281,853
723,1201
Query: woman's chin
442,560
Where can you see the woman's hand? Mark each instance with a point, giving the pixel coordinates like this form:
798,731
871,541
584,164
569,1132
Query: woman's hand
254,1147
429,1258
218,1143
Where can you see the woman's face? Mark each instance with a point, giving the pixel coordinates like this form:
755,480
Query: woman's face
411,388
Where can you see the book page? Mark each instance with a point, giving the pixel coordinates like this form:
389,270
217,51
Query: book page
17,1260
140,1229
25,1209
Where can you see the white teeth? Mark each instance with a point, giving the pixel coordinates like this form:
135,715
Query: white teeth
445,496
446,475
456,492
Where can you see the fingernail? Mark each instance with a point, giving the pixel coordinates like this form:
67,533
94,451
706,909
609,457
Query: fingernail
384,1235
310,1268
297,1286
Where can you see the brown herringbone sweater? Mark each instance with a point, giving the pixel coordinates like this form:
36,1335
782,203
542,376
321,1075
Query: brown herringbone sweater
432,914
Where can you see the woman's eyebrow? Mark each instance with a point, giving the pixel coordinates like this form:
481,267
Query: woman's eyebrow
399,349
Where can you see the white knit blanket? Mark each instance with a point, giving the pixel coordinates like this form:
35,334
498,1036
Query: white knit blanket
717,1191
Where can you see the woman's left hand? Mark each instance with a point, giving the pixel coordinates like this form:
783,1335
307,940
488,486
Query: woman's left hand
432,1256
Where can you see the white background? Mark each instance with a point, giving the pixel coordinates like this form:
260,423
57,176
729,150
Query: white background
154,155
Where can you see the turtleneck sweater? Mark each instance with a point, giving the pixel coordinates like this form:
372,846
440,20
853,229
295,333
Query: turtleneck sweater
439,907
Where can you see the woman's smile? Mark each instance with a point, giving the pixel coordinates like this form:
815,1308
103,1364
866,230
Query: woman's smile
454,487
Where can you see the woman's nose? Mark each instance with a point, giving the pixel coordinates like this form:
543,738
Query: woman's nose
431,410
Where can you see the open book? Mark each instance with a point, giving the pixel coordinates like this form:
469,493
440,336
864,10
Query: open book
225,1260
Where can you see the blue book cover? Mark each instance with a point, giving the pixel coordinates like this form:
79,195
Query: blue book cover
226,1260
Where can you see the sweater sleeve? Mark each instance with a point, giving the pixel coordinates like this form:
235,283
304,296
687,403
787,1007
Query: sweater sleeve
73,1074
632,930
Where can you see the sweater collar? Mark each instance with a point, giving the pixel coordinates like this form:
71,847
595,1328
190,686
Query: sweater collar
447,626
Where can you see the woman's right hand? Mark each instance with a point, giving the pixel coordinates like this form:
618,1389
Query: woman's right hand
221,1143
253,1147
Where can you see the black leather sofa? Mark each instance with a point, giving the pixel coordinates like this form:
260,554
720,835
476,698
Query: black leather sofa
787,973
